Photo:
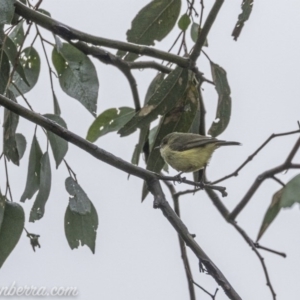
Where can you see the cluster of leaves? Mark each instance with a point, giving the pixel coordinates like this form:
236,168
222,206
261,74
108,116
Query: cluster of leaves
19,73
173,99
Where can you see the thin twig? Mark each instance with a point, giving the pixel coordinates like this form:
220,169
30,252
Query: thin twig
267,174
258,246
272,136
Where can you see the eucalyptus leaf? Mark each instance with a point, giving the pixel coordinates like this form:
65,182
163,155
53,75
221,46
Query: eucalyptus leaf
247,6
153,22
224,100
78,201
57,110
21,144
11,229
291,193
184,22
77,76
33,174
18,35
58,145
110,120
11,50
4,72
10,124
162,101
271,213
38,208
7,10
31,63
81,229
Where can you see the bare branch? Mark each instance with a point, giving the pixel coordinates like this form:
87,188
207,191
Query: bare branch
66,32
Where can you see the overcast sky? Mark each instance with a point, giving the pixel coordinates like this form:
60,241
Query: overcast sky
137,252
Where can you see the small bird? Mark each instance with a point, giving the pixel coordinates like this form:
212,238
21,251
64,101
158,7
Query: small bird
189,152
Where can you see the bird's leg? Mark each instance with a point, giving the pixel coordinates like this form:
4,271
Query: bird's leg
179,178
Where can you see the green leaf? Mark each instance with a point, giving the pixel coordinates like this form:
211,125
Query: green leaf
77,76
271,213
4,72
139,147
21,144
58,145
184,22
179,119
284,198
162,101
79,201
195,31
38,208
291,193
110,120
10,124
17,35
57,110
31,63
153,22
33,174
7,10
11,50
224,100
11,229
243,17
81,229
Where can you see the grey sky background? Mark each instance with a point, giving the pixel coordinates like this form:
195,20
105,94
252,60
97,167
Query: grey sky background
137,252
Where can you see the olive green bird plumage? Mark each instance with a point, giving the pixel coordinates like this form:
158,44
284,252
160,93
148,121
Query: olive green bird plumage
188,152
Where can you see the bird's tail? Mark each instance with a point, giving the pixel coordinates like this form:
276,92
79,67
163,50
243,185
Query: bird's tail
224,143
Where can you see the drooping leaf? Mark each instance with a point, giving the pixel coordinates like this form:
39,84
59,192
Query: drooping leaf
58,145
57,110
81,229
184,22
224,100
291,193
11,50
31,63
33,174
162,101
110,120
4,72
17,35
7,10
141,145
77,76
38,208
78,202
271,213
21,144
284,198
153,22
179,119
10,124
195,31
11,229
243,17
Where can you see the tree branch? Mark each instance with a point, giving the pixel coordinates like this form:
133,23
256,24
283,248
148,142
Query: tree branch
267,174
150,178
205,30
66,32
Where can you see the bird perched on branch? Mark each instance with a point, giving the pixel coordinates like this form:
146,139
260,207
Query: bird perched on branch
189,152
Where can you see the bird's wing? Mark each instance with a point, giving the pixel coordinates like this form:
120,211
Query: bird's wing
194,142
